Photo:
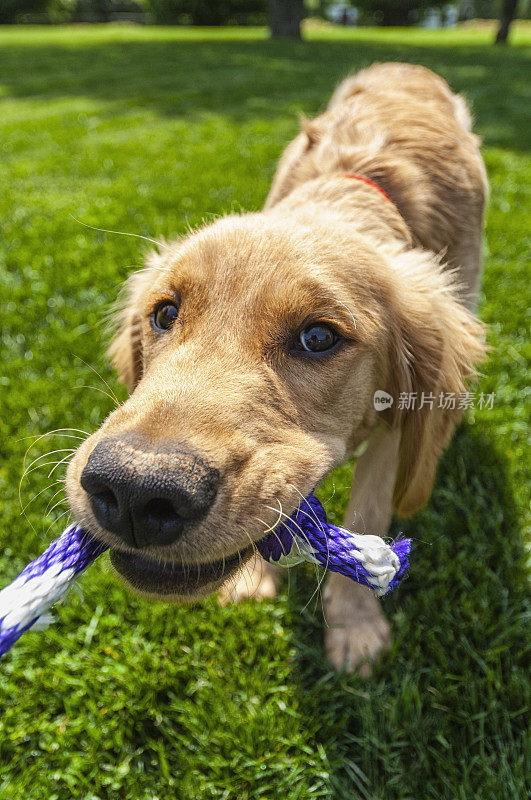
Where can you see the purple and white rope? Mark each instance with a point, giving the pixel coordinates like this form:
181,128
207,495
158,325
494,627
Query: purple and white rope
43,582
308,536
305,536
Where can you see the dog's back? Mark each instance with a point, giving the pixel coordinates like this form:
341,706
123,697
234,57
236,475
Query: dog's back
401,126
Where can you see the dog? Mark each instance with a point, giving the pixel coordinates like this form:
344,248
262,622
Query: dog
254,348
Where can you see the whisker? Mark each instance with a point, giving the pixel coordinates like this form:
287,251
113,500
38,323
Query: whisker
312,515
362,520
49,453
96,389
253,544
316,519
273,530
257,560
242,571
56,431
62,500
325,502
57,520
153,268
349,311
275,523
52,433
95,371
44,464
120,233
305,537
23,509
322,577
289,570
233,579
277,537
296,524
35,465
31,468
293,522
46,512
58,464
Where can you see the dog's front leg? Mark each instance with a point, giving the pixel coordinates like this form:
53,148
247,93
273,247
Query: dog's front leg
256,580
357,630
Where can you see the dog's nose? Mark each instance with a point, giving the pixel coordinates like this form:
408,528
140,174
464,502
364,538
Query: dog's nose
145,493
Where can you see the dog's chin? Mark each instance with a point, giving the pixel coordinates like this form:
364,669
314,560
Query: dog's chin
183,583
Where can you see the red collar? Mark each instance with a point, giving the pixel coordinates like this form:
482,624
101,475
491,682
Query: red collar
369,182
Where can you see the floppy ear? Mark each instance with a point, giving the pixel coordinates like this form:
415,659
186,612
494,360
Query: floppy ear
291,162
125,350
436,343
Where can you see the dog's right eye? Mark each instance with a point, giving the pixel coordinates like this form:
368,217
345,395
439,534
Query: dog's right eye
164,315
317,338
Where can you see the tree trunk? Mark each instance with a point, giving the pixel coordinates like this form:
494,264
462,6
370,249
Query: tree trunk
102,9
507,16
285,18
395,16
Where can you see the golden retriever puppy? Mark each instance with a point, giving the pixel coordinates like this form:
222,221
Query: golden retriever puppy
254,346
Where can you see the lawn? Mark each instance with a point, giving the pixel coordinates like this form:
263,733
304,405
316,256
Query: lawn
149,131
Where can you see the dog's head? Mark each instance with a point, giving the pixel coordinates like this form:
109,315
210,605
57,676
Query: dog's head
252,350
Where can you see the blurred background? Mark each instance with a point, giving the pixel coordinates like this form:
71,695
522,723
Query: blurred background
283,16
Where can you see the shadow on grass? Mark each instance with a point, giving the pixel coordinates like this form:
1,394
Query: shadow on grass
446,707
262,79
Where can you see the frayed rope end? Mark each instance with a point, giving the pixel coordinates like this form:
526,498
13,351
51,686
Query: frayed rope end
401,547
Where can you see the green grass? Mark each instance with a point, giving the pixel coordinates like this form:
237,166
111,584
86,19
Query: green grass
150,130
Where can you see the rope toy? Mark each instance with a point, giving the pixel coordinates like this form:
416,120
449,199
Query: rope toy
305,536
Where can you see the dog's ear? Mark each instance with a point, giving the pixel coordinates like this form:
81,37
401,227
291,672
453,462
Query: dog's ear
293,165
125,350
436,344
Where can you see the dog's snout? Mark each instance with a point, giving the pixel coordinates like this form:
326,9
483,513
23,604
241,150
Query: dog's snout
144,493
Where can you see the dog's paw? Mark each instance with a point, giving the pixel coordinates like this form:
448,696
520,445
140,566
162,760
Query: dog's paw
357,644
256,580
357,631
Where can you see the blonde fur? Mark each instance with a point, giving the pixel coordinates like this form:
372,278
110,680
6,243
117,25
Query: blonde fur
396,280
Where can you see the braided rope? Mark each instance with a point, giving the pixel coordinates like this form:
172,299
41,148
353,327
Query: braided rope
43,582
308,536
305,536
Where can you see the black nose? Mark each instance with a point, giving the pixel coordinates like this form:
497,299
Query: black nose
146,493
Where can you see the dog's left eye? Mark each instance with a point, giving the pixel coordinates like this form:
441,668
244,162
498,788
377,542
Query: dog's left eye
317,338
164,315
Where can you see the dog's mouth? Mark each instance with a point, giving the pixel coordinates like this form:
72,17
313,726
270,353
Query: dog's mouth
154,577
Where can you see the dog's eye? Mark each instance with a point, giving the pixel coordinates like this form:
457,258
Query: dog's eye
317,338
164,315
